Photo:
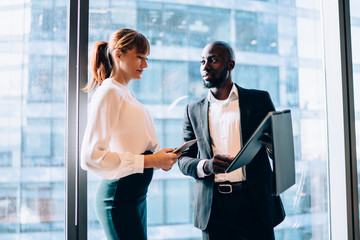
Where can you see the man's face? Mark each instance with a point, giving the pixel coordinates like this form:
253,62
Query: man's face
214,66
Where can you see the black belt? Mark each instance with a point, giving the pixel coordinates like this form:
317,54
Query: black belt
229,187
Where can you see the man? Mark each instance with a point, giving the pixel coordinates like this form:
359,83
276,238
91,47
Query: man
240,204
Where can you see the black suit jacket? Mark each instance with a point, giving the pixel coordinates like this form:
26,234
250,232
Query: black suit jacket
254,105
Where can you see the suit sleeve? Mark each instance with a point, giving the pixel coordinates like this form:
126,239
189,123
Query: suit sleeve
269,104
188,160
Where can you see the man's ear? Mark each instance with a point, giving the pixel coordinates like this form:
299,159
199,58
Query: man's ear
231,64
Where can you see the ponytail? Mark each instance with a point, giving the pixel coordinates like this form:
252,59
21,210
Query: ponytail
101,60
100,64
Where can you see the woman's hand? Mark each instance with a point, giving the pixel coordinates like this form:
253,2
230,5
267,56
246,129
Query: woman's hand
164,159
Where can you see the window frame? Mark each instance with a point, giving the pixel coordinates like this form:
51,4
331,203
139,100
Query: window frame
342,169
76,102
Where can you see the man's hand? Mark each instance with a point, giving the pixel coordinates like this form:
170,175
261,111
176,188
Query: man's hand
266,139
217,164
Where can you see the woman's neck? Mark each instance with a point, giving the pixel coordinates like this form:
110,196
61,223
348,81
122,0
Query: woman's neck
119,76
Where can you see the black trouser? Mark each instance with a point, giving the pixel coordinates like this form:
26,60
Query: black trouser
234,217
121,206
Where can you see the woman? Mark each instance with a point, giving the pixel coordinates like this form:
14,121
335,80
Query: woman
119,138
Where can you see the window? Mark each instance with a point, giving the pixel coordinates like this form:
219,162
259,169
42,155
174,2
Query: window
260,77
32,119
45,24
203,29
277,48
256,31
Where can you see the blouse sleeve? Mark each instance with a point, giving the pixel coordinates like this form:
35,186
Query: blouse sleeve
104,112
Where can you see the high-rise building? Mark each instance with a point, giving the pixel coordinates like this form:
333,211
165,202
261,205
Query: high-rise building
278,47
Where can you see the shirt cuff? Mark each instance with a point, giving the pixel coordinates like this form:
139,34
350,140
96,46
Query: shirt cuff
200,169
139,164
271,163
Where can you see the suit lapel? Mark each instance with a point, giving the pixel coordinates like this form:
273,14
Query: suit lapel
204,120
245,119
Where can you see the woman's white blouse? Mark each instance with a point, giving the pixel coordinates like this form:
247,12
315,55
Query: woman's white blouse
118,131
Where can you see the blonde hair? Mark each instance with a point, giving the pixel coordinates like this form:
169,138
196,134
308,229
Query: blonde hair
101,59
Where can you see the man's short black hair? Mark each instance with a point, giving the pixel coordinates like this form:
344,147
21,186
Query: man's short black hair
227,47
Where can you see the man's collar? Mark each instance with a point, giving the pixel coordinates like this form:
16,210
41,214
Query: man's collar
233,95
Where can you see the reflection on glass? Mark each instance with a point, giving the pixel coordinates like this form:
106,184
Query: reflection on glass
32,119
257,31
278,48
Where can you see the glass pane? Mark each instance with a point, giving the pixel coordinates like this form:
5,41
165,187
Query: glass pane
355,38
32,119
278,47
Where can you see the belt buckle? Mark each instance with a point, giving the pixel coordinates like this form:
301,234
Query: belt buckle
226,186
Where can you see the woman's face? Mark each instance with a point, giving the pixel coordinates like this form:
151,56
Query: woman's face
132,64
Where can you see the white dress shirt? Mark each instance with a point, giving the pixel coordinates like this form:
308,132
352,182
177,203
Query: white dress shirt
118,131
225,133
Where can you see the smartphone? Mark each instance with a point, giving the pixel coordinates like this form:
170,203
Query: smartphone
185,145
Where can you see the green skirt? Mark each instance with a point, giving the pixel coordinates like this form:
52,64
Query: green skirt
121,206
